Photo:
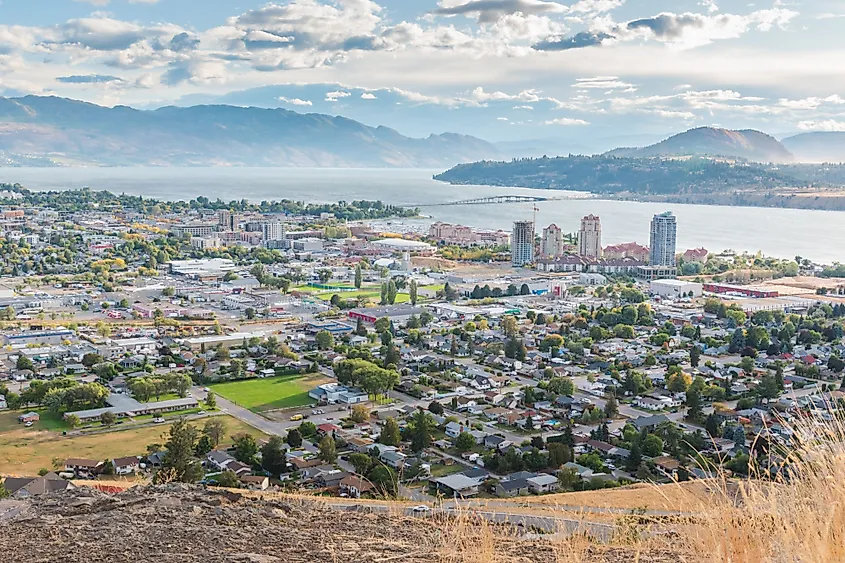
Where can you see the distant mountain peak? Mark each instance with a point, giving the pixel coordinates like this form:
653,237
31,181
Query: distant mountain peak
748,144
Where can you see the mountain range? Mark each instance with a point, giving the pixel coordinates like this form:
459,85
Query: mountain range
51,131
57,131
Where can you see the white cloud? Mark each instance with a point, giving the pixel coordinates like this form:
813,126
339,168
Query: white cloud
827,125
295,101
336,95
502,119
524,107
368,96
567,121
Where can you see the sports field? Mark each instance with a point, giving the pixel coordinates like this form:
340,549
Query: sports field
24,451
272,393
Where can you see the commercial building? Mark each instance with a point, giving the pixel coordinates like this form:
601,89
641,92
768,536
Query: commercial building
589,237
194,229
273,231
552,242
461,235
227,220
398,314
584,264
759,292
201,269
522,243
124,405
675,288
663,240
32,338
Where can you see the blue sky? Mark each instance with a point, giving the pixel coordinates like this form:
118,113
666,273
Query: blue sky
580,71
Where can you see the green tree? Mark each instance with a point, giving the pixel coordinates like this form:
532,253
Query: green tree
229,480
611,407
391,292
635,458
412,292
694,356
652,445
359,276
325,340
211,400
273,456
361,462
294,438
390,434
246,448
307,429
385,480
180,463
73,420
420,429
204,446
215,429
464,442
561,386
24,363
328,449
108,418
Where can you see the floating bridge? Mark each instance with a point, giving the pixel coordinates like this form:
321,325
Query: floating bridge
491,200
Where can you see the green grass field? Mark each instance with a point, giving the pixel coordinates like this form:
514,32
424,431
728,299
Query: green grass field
271,393
363,293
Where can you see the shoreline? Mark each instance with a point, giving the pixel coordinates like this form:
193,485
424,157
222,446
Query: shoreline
806,200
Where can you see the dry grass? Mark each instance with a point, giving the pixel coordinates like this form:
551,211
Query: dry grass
662,497
798,517
23,452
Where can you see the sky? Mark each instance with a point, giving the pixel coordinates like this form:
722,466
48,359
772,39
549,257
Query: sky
583,71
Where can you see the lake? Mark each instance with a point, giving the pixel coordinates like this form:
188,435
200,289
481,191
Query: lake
818,235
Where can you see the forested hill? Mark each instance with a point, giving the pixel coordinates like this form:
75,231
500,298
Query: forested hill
606,174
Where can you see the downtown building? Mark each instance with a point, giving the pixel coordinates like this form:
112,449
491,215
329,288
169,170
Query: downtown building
522,243
589,237
663,243
552,242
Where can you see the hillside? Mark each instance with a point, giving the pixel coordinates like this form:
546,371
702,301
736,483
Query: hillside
821,146
182,524
709,141
612,175
39,131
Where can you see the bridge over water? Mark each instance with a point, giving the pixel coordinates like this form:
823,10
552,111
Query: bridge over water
491,200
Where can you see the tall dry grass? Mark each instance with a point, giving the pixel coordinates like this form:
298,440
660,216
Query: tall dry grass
794,513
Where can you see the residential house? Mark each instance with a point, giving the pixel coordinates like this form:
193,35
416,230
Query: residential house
23,487
394,459
457,485
512,488
82,466
543,483
29,417
354,486
126,465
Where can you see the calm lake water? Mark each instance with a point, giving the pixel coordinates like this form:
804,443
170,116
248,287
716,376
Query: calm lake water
819,235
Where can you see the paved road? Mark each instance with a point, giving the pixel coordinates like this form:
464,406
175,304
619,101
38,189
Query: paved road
528,522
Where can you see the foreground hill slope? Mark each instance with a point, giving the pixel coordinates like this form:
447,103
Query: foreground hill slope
747,144
57,131
175,523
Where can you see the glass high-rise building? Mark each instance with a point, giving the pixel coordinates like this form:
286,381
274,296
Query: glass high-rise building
664,230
